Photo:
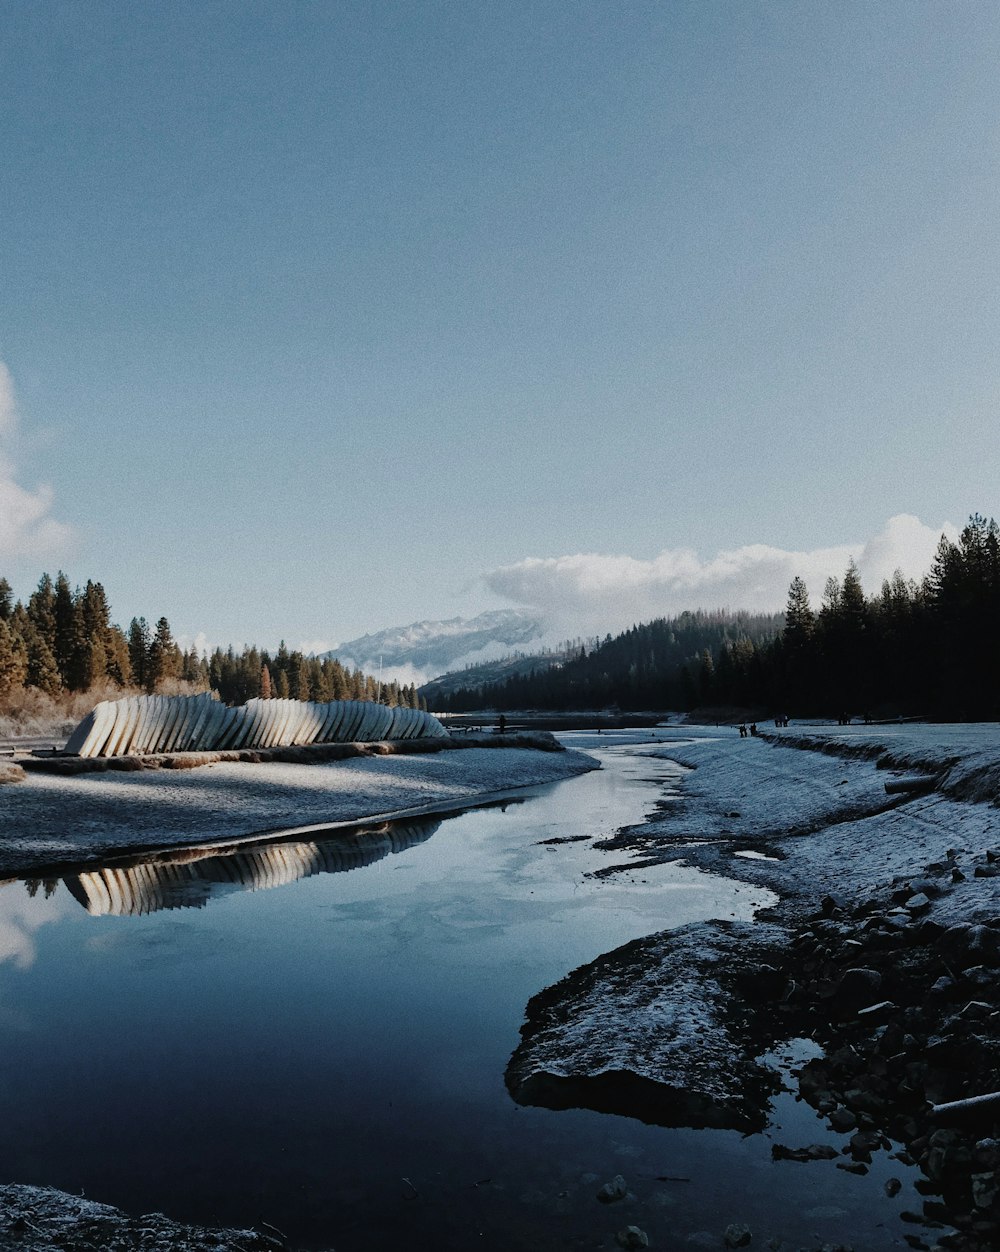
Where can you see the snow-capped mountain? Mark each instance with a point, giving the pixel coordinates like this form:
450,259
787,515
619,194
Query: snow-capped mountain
423,650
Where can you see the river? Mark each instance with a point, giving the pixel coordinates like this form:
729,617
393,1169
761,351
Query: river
328,1056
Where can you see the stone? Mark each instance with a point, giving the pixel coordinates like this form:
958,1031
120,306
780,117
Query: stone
737,1235
893,1187
857,988
918,902
842,1120
632,1237
984,1189
616,1189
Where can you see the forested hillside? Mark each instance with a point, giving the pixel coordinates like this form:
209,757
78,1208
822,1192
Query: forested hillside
928,648
62,641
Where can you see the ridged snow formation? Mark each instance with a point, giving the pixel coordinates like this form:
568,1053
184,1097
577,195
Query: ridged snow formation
144,724
189,880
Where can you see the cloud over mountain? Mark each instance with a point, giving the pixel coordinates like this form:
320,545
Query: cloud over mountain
602,592
26,529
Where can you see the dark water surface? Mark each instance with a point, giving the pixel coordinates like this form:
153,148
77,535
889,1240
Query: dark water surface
329,1055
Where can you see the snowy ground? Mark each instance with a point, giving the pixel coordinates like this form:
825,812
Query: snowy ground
69,819
824,820
813,822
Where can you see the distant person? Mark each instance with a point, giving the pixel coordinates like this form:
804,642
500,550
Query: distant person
753,729
743,730
503,724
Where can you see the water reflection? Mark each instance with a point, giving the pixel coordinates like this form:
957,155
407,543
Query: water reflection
190,877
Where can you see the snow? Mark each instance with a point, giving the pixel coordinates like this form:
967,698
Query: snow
51,817
828,818
803,823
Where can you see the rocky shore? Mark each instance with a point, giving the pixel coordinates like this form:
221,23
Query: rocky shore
39,1219
908,1012
884,951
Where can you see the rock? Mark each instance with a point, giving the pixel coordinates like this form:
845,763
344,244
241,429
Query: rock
616,1189
984,1189
893,1187
814,1152
857,988
632,1237
917,903
864,1143
853,1167
738,1235
842,1120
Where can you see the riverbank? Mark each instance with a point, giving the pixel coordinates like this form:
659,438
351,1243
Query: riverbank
884,950
38,1219
51,819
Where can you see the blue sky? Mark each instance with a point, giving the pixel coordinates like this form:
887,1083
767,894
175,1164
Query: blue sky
321,317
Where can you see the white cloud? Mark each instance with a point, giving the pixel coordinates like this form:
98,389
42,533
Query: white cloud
26,529
593,592
314,647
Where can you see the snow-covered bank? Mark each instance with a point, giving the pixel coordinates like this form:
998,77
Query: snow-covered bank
54,819
885,947
37,1219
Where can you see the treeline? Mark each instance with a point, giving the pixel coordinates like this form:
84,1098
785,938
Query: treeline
649,666
63,640
928,648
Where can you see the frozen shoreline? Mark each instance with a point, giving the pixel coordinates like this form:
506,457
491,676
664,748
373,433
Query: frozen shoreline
50,818
880,896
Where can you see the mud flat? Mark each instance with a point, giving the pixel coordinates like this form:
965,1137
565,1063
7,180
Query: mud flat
884,950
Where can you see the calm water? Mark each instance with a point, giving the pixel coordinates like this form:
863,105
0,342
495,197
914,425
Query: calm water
328,1055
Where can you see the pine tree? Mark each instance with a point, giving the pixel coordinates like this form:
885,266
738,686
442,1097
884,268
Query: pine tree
164,657
6,600
265,683
67,641
13,659
41,613
119,662
138,650
800,621
43,672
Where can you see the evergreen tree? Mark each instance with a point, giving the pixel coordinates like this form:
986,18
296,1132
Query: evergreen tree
119,661
800,621
265,683
42,671
164,656
41,612
13,659
138,651
6,600
67,638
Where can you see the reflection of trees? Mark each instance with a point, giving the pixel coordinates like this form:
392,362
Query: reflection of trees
190,877
49,886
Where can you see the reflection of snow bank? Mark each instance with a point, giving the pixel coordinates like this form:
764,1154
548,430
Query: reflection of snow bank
54,818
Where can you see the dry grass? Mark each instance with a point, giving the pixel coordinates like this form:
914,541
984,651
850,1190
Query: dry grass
30,713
